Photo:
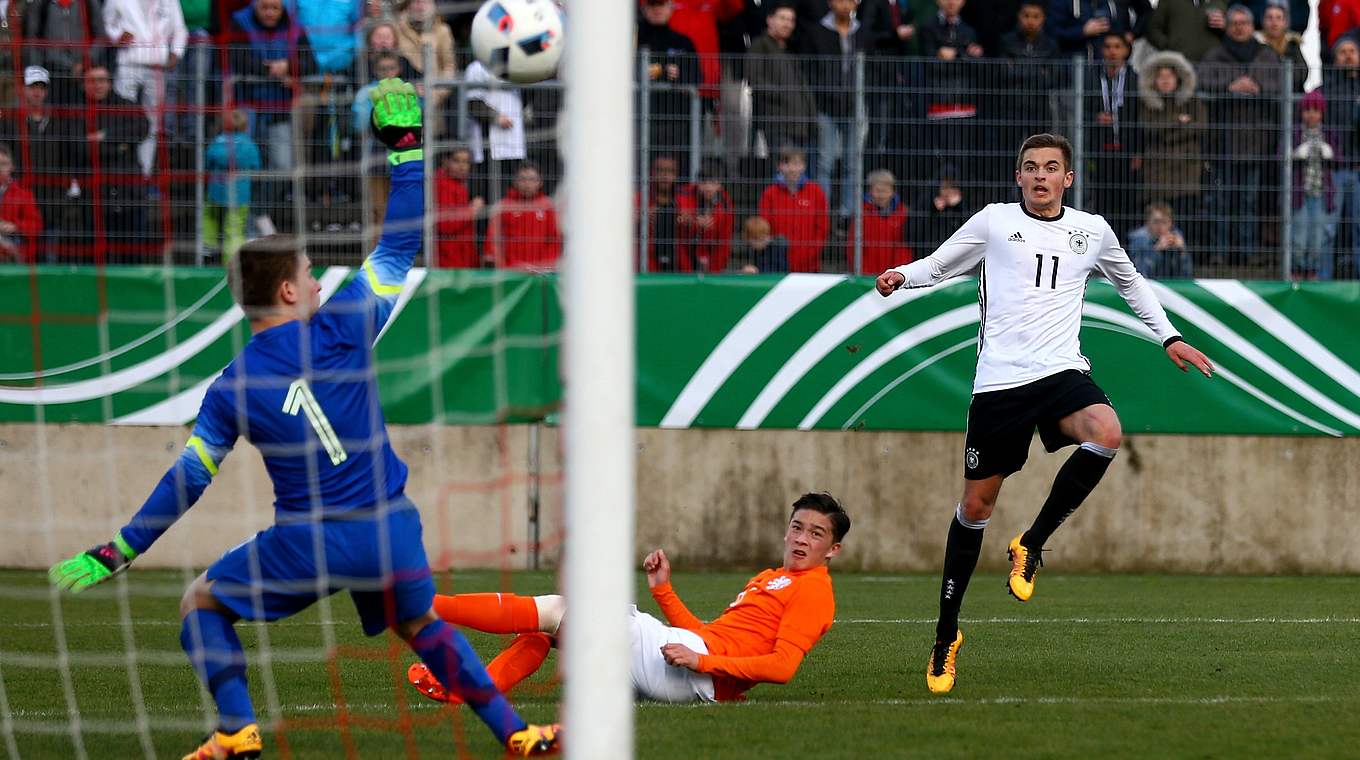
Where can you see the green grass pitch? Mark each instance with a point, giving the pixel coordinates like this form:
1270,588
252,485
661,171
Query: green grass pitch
1093,666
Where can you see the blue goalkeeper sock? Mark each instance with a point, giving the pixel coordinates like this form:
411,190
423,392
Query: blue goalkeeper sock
451,659
215,652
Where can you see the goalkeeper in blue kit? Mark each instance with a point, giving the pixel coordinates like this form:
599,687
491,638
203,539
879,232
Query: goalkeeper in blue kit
303,392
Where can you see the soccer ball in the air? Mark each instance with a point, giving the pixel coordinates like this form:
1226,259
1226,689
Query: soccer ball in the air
518,40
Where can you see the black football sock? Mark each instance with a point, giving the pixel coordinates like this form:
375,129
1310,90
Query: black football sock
1075,481
961,551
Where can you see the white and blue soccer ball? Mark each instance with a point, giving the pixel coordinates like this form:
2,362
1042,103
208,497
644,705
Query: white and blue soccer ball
518,40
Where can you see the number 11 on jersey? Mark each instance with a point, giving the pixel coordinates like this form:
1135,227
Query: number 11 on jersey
300,398
1039,272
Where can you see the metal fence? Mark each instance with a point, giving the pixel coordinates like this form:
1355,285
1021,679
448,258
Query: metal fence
839,164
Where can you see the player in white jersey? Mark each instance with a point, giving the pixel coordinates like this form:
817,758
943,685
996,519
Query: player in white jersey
1035,258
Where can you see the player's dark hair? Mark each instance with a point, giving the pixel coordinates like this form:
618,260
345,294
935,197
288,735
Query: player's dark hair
259,267
827,505
1045,140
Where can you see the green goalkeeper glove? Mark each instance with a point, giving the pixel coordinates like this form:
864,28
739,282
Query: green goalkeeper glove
88,568
396,120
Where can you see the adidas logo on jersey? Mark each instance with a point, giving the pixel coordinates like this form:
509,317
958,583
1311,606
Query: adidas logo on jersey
1015,238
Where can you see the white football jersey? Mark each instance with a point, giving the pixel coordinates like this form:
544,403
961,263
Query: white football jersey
1031,287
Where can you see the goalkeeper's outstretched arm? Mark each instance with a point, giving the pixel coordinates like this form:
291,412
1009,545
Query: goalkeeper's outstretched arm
178,490
396,122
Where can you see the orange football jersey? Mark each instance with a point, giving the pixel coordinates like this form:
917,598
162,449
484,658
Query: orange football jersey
764,634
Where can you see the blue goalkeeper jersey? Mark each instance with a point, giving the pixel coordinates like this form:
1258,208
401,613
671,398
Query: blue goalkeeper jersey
306,395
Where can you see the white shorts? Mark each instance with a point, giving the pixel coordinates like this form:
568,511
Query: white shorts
652,677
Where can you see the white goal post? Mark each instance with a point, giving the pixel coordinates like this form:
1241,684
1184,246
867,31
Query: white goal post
598,353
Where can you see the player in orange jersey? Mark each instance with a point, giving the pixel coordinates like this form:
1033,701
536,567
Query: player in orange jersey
761,637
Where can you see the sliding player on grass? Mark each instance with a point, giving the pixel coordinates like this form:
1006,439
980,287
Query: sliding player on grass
303,391
761,637
1036,257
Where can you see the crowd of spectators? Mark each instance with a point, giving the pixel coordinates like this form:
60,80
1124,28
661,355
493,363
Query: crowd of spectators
1183,116
801,160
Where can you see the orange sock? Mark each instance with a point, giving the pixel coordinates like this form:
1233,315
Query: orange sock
514,664
519,660
491,613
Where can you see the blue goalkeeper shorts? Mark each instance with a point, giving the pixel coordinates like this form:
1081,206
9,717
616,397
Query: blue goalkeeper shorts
283,569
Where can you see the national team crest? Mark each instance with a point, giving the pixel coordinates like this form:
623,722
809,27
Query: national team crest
970,458
1078,242
775,584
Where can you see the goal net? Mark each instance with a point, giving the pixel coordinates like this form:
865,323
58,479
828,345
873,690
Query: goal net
104,368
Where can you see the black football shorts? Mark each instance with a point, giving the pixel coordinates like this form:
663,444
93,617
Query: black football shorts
1002,423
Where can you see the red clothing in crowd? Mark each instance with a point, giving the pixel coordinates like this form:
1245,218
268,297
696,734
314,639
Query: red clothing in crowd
885,244
1335,18
523,232
698,20
18,207
703,250
799,217
456,224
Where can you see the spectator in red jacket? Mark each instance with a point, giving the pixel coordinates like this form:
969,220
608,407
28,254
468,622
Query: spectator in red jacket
796,208
20,223
456,225
704,223
885,221
523,232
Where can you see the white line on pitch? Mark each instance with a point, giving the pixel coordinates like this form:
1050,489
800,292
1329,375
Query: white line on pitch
929,701
1101,621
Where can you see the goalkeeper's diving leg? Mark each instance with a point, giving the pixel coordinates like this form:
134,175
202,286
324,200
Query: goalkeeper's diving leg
536,619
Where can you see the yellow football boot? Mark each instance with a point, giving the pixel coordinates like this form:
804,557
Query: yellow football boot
220,746
535,741
1025,562
940,667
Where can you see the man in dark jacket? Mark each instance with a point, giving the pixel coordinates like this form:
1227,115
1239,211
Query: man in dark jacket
875,15
1080,26
1242,79
114,127
834,43
782,106
673,68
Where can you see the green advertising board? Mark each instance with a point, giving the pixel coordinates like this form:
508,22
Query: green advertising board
139,345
